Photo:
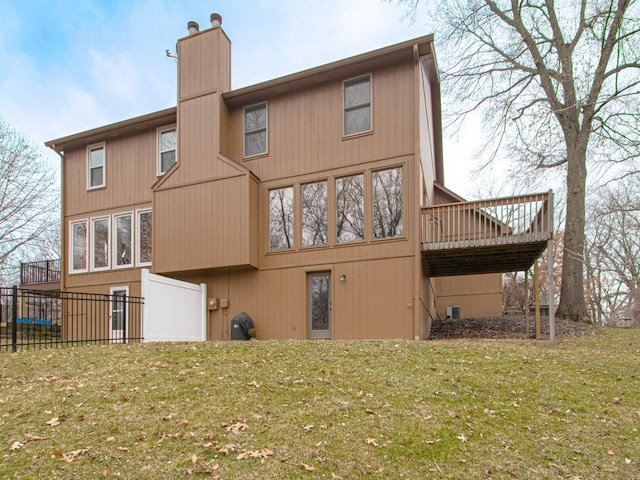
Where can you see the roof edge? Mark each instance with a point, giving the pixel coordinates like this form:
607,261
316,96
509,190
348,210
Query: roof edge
151,120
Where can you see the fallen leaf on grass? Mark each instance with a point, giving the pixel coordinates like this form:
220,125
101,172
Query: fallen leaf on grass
611,452
308,468
308,428
71,456
264,453
372,441
32,438
54,422
229,447
462,437
237,427
16,445
336,477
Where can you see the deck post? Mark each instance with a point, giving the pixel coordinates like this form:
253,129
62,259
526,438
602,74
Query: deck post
526,302
552,316
536,296
550,246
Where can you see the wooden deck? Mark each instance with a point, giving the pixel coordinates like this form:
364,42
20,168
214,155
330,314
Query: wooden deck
486,236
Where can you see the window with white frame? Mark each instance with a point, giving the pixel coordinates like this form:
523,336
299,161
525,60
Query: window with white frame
100,244
123,240
96,166
357,105
144,237
167,148
387,203
78,247
255,130
281,218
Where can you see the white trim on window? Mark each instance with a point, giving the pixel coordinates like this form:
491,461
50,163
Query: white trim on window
255,131
95,163
357,106
72,246
105,254
159,132
139,261
123,257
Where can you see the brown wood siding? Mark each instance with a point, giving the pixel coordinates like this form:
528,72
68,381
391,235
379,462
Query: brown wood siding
202,226
204,63
477,295
130,171
373,302
305,128
80,319
427,160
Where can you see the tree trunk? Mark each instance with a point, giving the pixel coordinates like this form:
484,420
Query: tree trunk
572,302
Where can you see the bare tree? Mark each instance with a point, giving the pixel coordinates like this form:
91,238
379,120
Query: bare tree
614,253
29,213
558,84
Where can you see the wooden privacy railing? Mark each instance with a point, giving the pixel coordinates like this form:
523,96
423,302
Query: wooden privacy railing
500,221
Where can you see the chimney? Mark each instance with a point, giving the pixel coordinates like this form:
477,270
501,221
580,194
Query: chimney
216,20
193,27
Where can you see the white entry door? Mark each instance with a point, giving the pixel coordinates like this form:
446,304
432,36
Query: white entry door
118,318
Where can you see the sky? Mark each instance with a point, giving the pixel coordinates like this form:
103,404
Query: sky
69,66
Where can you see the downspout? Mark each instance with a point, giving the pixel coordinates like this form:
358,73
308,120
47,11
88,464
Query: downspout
417,267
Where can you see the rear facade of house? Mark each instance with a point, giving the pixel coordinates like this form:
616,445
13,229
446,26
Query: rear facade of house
297,200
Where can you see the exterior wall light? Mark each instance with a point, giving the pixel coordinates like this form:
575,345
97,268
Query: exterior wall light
343,277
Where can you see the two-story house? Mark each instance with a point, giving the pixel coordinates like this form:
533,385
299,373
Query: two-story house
300,200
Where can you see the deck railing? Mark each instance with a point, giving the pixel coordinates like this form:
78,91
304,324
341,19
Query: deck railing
43,271
521,219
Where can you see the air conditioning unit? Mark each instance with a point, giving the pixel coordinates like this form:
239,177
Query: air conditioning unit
454,311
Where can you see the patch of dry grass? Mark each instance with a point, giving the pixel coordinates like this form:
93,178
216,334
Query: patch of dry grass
262,409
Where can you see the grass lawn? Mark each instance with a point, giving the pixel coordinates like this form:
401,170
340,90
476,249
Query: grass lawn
325,409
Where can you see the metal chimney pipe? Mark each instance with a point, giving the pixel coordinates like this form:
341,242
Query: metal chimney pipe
216,20
193,27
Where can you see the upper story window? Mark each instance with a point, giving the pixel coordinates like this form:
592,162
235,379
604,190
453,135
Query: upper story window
96,166
167,148
255,130
387,203
357,105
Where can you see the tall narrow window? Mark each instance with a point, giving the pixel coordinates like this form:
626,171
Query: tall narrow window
314,214
255,130
387,203
144,237
123,225
281,218
350,208
357,105
79,246
96,166
100,243
167,149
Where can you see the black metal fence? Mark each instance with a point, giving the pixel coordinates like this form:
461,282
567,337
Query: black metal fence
43,271
42,319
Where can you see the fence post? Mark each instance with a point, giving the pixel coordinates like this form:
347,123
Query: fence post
14,320
124,318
